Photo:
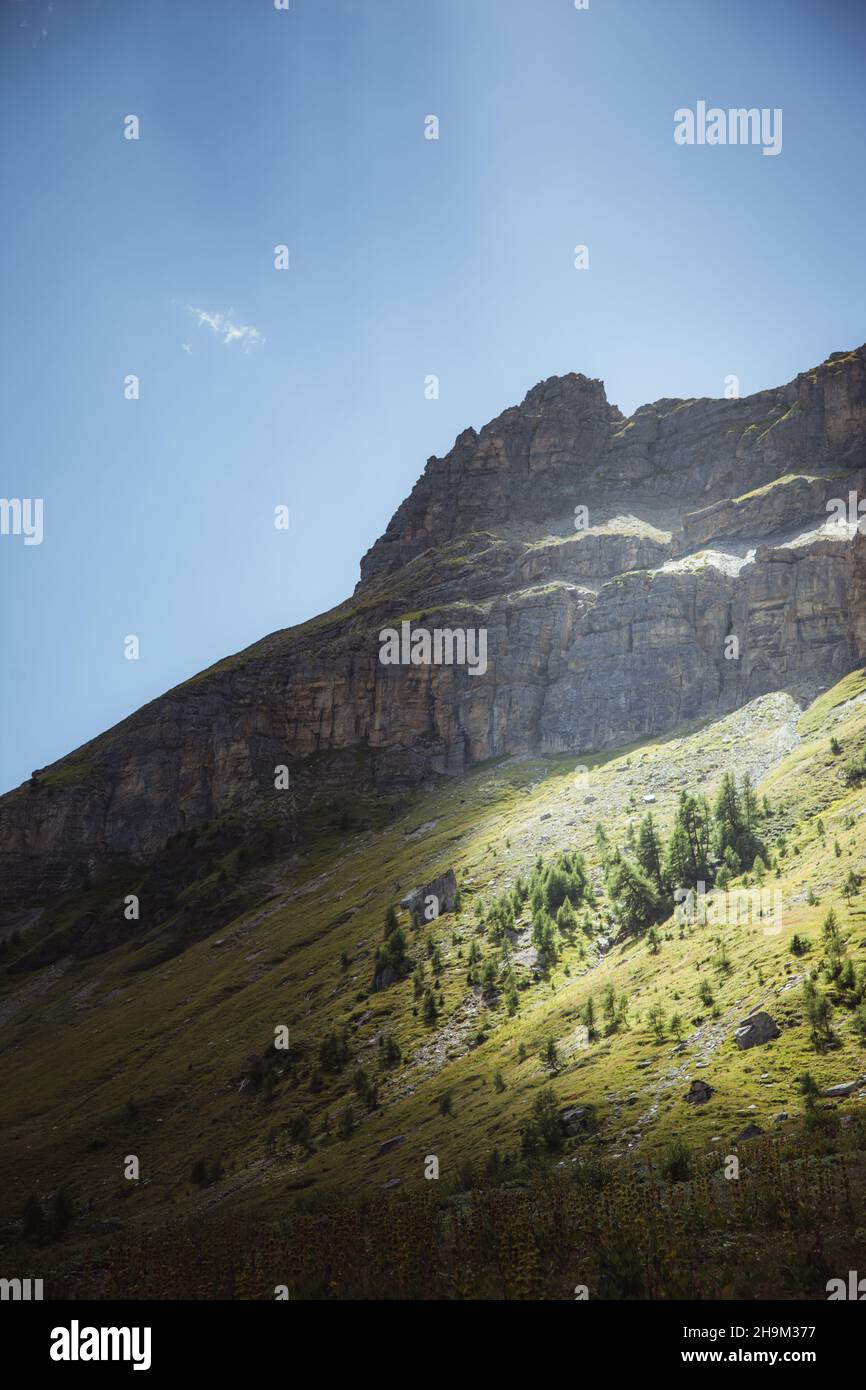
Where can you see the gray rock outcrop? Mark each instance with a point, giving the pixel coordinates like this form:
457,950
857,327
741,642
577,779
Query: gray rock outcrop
436,897
576,1119
758,1028
698,1093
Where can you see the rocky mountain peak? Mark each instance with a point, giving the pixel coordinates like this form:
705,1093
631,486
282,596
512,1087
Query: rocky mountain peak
700,521
565,445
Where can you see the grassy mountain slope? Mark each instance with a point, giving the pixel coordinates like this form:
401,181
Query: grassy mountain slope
105,1058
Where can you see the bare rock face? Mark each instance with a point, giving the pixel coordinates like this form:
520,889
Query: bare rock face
782,503
566,446
525,464
704,520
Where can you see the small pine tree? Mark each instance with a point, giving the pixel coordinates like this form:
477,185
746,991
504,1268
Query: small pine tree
656,1019
543,1132
830,926
649,851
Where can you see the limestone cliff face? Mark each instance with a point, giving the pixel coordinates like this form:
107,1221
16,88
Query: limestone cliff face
565,446
707,520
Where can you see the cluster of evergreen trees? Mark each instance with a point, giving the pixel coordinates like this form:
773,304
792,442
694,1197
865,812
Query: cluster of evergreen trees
553,891
855,769
392,960
707,845
847,983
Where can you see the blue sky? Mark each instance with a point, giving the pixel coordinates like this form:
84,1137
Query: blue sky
408,257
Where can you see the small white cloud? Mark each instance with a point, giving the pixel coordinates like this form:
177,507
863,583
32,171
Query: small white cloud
225,328
187,347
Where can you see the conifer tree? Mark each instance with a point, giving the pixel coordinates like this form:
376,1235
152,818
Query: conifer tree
649,850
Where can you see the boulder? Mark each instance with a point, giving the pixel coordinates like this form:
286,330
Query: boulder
698,1093
750,1132
758,1028
575,1119
388,1144
443,889
844,1088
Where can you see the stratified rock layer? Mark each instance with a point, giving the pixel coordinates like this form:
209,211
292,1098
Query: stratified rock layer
707,522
